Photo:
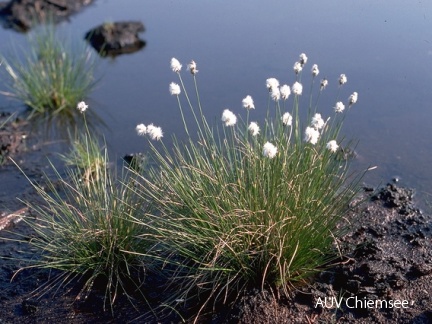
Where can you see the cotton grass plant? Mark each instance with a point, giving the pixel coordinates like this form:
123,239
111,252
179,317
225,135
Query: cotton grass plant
249,204
86,154
51,75
84,226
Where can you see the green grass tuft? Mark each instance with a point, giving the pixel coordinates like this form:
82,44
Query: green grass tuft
86,226
52,75
233,215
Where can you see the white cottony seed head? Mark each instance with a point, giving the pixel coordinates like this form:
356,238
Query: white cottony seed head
141,129
174,89
175,65
297,88
193,67
353,98
275,94
315,70
269,150
317,122
285,91
298,67
340,107
311,135
332,146
324,83
229,118
254,128
342,79
303,59
154,132
287,119
82,106
248,102
272,83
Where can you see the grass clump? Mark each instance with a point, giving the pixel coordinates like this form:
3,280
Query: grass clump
87,157
249,204
52,75
84,226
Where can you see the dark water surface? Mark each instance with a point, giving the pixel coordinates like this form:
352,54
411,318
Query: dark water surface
384,48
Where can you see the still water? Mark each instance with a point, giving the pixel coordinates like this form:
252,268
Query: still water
384,48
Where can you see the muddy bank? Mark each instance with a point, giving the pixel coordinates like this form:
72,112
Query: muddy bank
385,277
21,143
13,134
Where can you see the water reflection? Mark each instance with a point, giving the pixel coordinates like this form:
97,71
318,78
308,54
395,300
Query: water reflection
66,125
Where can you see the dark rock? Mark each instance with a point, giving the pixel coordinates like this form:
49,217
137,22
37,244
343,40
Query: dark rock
368,188
136,161
116,38
23,14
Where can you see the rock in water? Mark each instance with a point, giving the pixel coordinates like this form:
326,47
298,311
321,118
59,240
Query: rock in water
116,38
23,14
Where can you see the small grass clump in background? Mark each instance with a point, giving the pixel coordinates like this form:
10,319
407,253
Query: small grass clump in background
249,203
52,75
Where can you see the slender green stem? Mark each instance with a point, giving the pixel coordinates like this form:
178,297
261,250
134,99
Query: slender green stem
182,115
190,104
